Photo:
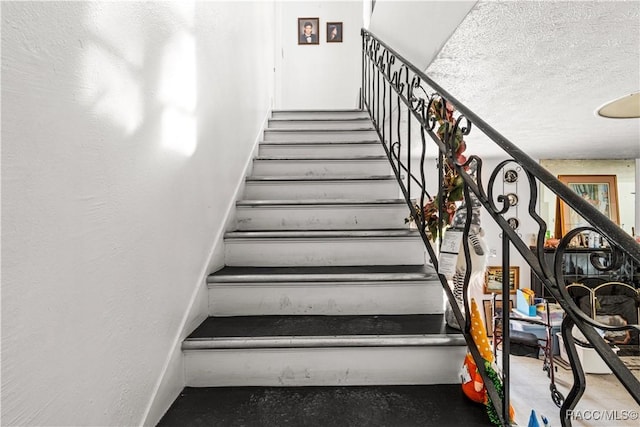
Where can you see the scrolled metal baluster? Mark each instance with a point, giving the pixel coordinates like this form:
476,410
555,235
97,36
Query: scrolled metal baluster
375,82
384,109
423,181
429,116
398,135
616,258
479,190
414,100
391,60
466,129
399,83
502,198
586,324
404,70
579,379
537,262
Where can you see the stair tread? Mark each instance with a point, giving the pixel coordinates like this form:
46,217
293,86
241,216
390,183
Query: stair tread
320,110
297,202
355,406
332,273
321,178
392,232
320,119
321,158
327,142
360,128
321,326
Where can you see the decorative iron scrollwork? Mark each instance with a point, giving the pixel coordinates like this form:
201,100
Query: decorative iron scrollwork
408,107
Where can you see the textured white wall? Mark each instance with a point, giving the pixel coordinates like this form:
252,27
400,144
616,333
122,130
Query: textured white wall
624,170
493,233
322,76
536,71
637,198
125,130
417,30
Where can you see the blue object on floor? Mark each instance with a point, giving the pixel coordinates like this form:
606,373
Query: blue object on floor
533,420
545,421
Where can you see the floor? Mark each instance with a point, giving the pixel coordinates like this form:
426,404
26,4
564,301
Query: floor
403,405
530,390
437,405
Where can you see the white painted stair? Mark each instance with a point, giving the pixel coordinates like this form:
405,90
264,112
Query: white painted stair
319,214
323,149
318,166
319,115
365,290
322,187
324,284
332,355
323,247
333,124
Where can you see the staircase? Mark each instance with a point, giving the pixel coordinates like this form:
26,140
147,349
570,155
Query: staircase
324,287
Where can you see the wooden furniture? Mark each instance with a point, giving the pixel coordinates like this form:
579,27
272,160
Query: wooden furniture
578,269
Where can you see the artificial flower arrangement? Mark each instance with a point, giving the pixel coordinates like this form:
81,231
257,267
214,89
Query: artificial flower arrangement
452,192
453,184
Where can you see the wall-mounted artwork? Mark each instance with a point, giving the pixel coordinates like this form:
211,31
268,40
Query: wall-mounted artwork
492,318
308,30
599,190
334,32
493,279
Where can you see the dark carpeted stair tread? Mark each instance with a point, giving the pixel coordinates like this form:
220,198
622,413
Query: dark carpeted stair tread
320,326
429,405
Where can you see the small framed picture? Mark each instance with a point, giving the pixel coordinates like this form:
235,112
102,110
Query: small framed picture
510,175
308,30
491,318
493,280
334,32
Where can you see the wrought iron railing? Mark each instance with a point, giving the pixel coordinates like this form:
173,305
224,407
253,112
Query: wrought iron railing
407,109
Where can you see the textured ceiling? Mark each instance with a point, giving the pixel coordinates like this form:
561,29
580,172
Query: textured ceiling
537,71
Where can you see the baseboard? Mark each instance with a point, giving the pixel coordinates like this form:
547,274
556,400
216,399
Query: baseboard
172,378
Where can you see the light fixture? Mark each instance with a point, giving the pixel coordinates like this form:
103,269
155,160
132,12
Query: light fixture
627,107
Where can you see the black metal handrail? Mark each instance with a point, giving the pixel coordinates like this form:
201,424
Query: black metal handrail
396,93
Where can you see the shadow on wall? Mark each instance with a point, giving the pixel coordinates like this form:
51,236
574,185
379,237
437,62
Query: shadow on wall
99,104
118,56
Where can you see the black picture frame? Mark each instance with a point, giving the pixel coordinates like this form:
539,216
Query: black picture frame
311,38
334,32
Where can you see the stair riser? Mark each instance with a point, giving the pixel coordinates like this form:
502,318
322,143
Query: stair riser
321,124
321,167
319,115
346,366
321,217
287,190
321,150
285,252
325,298
320,136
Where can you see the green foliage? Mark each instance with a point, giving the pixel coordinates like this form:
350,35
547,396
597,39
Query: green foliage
452,190
497,383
